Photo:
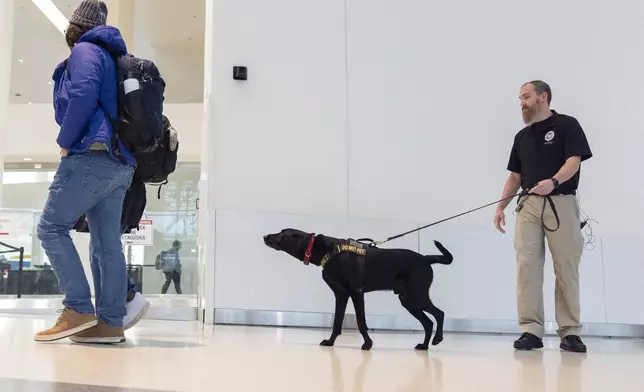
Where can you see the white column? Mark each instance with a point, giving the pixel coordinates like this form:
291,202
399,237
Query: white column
6,45
121,16
206,212
140,35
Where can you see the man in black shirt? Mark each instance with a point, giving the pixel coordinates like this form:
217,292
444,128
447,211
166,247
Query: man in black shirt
545,160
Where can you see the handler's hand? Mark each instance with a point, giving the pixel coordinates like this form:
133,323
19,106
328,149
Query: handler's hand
499,220
63,152
543,188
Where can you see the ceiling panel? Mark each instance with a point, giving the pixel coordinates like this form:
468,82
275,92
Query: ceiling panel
174,28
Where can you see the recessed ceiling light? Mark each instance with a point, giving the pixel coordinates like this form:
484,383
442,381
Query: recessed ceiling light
37,166
28,103
21,60
50,82
27,159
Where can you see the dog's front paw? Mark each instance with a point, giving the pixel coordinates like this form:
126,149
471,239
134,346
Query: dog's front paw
327,343
437,340
367,345
421,347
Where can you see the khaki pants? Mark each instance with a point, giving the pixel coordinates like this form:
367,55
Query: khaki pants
566,247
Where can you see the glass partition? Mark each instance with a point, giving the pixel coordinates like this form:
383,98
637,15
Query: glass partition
168,218
167,228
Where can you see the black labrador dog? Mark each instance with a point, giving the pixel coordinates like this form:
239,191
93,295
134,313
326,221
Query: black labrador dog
351,269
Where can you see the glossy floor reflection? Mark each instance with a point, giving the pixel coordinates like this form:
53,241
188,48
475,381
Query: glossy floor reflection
187,356
9,384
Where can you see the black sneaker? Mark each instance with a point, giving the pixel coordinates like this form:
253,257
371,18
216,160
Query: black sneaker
528,341
573,344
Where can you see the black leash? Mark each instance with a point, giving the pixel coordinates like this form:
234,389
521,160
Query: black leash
549,200
520,194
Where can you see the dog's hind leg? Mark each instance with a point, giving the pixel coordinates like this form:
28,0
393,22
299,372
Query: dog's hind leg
341,300
428,325
439,315
411,304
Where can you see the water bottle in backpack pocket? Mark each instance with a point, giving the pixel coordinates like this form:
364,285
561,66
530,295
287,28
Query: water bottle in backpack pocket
131,84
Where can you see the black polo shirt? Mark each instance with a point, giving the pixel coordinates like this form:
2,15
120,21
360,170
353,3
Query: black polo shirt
541,149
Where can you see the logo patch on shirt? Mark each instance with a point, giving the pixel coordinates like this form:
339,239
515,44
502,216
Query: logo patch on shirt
549,136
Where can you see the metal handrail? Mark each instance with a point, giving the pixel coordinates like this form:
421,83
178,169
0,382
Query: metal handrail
21,263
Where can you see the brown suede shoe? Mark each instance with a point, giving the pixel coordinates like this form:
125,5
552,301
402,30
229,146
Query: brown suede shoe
69,323
100,334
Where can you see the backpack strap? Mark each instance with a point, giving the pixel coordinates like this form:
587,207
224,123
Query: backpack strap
114,122
159,191
114,141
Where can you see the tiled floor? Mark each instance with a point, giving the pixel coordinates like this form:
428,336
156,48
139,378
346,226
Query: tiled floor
187,356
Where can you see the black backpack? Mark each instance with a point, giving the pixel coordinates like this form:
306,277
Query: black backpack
141,125
155,165
140,122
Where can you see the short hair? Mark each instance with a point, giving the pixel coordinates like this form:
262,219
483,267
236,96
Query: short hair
541,87
176,243
73,34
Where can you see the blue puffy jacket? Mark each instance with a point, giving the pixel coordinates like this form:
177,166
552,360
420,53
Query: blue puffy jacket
87,76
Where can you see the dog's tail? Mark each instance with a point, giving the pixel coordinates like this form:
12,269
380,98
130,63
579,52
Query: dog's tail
446,257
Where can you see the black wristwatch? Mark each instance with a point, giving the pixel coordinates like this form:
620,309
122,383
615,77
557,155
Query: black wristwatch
554,181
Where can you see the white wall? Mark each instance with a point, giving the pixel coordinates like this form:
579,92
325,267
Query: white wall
371,118
280,139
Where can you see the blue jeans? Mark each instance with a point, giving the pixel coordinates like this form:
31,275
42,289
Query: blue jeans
93,184
131,287
94,262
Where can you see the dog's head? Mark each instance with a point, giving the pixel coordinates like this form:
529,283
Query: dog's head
292,241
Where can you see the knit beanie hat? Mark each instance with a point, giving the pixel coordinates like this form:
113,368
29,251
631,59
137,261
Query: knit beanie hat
89,14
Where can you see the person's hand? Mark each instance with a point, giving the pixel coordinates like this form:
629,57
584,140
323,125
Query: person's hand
499,220
543,188
63,152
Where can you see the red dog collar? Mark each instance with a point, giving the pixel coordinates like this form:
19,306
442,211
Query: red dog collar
309,250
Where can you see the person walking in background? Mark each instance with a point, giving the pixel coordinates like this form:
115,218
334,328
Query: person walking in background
545,160
169,262
92,179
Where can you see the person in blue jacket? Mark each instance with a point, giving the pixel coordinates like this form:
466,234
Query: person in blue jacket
92,178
